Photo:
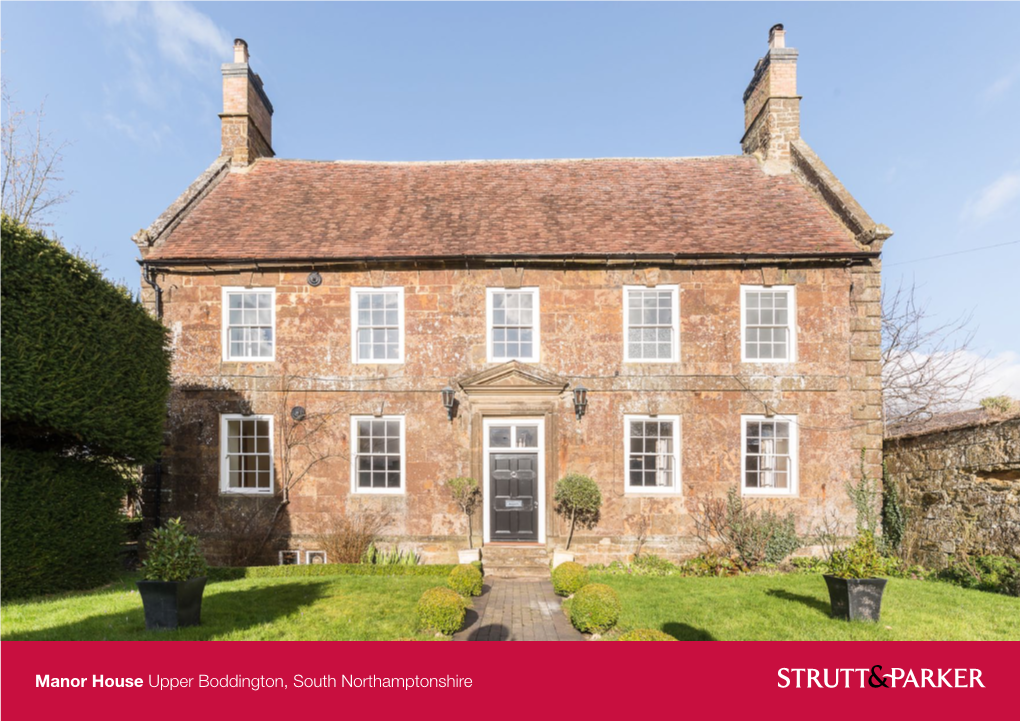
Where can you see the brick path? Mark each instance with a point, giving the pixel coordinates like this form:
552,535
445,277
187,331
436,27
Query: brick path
517,610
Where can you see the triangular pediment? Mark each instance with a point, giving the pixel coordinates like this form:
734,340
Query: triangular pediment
513,378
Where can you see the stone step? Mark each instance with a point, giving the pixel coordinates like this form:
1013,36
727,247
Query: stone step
515,561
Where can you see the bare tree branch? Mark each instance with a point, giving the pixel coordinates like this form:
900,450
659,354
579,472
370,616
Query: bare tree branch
927,367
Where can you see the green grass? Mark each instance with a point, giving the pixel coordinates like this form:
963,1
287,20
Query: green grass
795,607
338,608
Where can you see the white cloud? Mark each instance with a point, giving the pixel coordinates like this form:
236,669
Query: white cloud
999,375
1001,86
993,198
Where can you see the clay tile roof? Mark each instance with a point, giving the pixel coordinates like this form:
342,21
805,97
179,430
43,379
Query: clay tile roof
949,421
294,209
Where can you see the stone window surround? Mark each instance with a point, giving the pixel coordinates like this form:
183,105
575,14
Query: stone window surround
355,489
675,341
793,489
225,314
225,488
676,488
401,327
535,327
791,324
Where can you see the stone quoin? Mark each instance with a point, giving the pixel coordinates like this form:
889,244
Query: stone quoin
721,312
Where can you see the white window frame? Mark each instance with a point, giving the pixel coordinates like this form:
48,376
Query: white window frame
536,324
225,460
794,484
225,313
487,449
354,457
675,345
791,322
651,490
400,326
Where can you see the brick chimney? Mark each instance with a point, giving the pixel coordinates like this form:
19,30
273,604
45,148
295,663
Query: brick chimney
771,103
247,117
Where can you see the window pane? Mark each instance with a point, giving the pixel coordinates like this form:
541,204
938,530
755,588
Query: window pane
499,437
527,437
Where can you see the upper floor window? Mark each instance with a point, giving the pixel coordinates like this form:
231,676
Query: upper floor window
377,320
513,327
246,454
377,459
249,322
652,450
651,324
769,453
767,324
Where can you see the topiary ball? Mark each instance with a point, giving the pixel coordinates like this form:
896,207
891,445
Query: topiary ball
568,578
645,634
595,608
465,580
441,609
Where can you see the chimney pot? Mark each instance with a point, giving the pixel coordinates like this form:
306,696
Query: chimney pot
777,36
240,51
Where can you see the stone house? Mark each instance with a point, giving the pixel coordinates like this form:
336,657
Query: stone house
959,477
671,327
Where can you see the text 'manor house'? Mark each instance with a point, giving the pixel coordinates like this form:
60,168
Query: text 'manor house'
721,312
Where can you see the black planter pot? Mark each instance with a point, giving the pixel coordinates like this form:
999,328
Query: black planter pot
855,599
172,604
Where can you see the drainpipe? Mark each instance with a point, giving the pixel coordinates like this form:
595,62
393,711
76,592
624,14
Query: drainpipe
149,276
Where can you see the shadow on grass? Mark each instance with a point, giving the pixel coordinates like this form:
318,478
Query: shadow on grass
222,613
809,601
684,632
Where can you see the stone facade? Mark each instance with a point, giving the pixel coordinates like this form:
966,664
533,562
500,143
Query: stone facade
961,487
829,389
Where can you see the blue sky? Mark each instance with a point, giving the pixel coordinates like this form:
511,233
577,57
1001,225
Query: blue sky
914,106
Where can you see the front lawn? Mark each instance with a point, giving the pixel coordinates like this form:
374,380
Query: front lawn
333,608
795,607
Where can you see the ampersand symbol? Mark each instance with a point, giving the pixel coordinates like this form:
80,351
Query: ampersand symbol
875,677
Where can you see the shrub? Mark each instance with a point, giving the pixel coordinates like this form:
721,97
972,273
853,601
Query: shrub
595,608
467,495
579,498
753,536
645,634
708,564
998,574
860,560
172,554
392,557
326,569
346,539
441,609
62,527
894,516
465,580
652,565
84,365
568,578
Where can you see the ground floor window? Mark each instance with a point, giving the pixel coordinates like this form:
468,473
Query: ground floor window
652,448
246,451
377,456
769,452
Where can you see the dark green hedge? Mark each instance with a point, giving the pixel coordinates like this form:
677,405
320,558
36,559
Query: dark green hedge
84,365
61,525
224,573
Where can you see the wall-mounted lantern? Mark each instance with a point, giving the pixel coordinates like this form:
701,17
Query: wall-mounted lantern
449,401
580,401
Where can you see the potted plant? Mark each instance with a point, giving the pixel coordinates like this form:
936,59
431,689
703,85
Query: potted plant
855,591
174,578
577,497
467,496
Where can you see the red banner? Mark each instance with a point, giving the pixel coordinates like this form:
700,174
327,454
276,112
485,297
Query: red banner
507,680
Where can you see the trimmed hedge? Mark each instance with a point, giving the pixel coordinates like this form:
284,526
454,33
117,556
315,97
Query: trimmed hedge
84,365
441,609
568,578
62,527
595,608
227,573
645,634
466,580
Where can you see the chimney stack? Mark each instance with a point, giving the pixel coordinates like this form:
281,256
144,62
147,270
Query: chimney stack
771,103
247,117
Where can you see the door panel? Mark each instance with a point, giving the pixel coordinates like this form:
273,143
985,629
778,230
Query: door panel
513,500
